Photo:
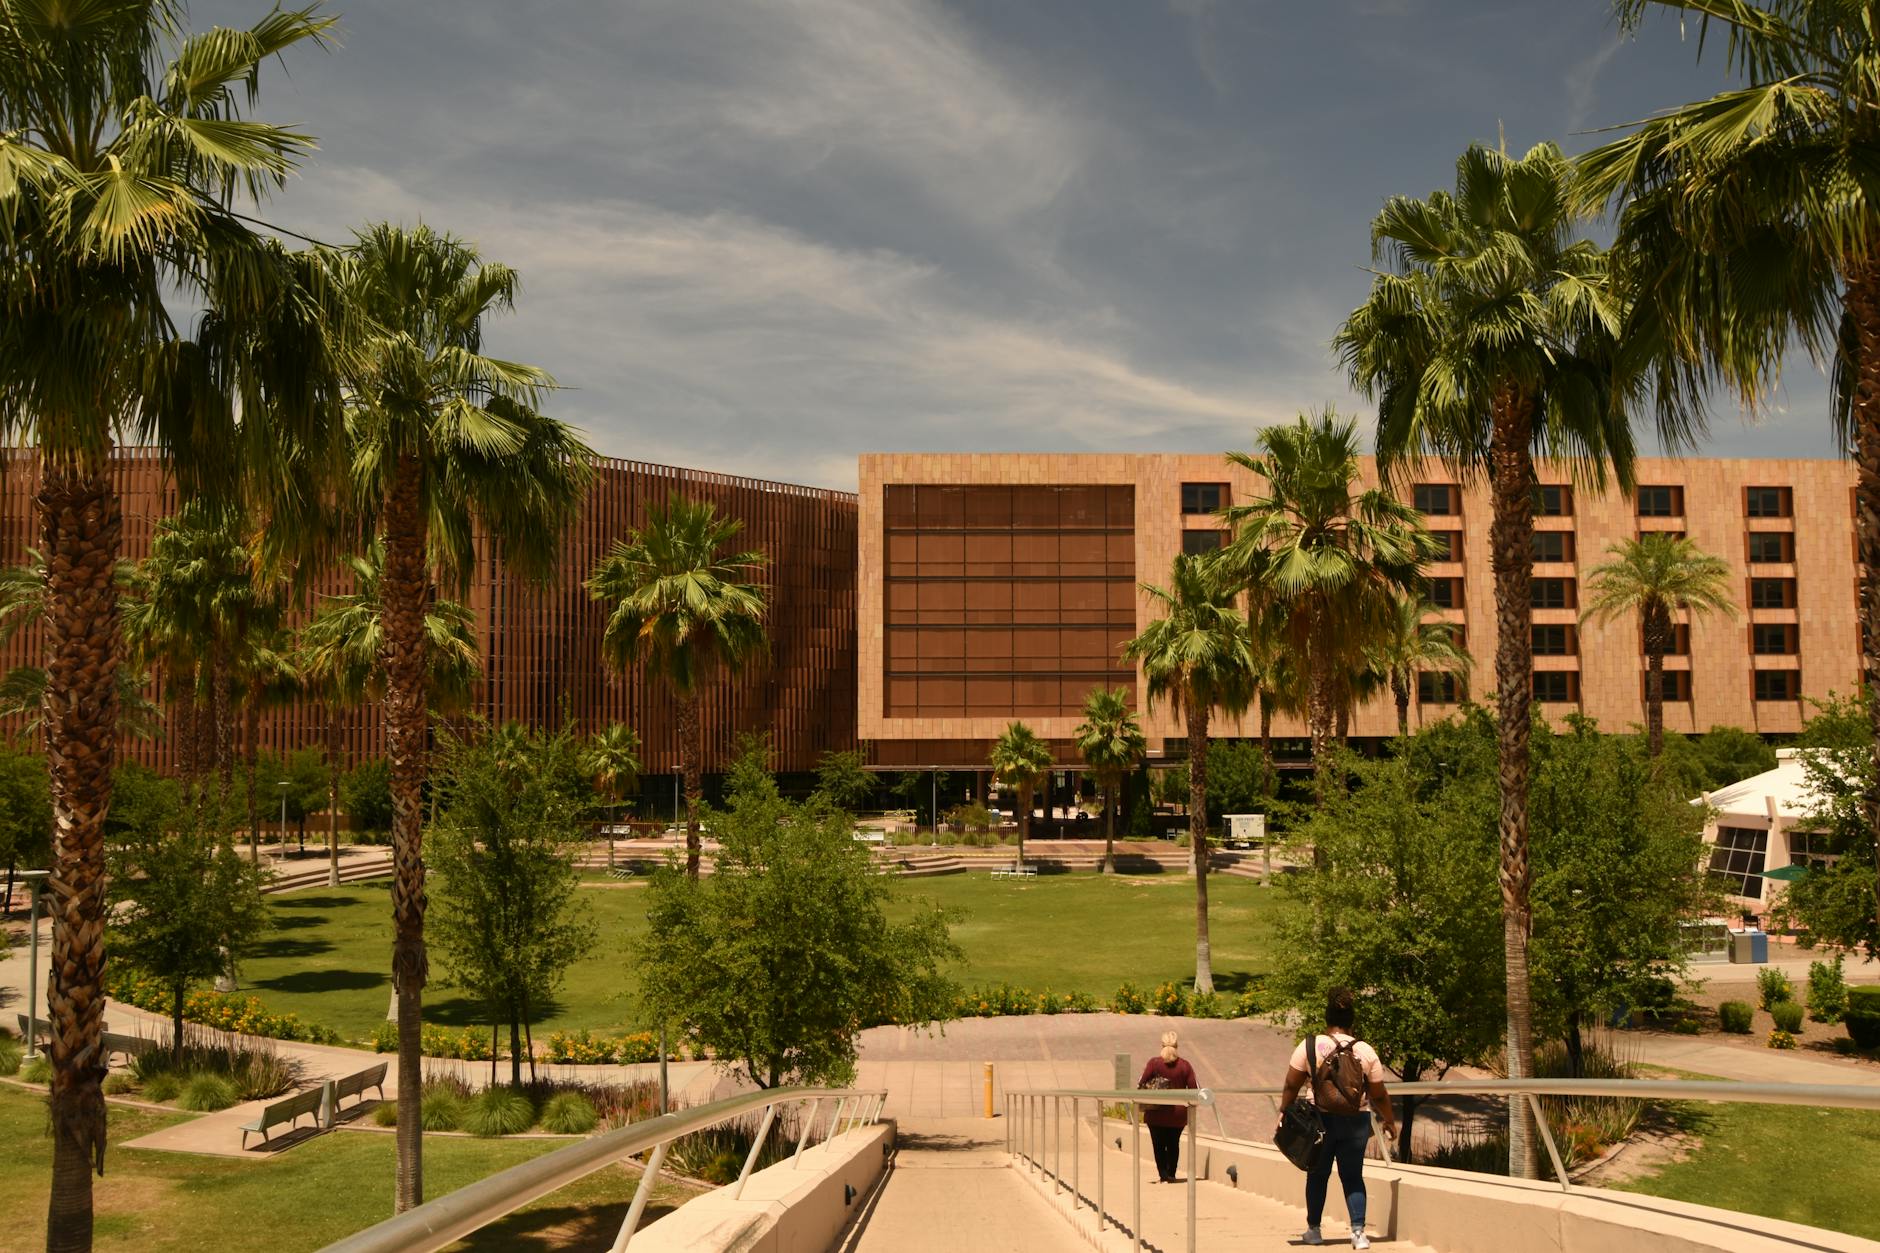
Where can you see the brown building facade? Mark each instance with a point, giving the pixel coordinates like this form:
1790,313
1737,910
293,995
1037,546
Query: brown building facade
1001,586
541,644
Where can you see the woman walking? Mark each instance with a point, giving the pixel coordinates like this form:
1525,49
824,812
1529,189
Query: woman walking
1166,1122
1347,1083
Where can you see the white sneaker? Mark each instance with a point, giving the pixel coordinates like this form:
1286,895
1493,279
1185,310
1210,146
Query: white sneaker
1358,1239
1311,1236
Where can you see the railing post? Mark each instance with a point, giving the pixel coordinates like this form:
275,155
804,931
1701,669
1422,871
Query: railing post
757,1146
1101,1153
835,1117
1547,1138
809,1125
1193,1119
641,1195
1135,1163
1057,1146
1077,1157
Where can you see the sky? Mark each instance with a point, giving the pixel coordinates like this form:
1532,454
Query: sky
763,236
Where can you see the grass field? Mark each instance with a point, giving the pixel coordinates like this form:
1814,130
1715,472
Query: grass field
327,958
330,1186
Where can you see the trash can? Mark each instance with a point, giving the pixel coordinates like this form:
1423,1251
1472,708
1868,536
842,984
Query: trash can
1749,947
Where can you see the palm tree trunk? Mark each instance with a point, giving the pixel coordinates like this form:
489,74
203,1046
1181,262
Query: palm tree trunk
251,753
1198,839
1266,728
83,533
1512,470
1400,688
1657,640
1024,818
690,750
1863,305
223,710
332,794
403,588
1109,826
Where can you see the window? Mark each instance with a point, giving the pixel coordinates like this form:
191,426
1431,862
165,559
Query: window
1446,593
1768,502
1448,545
1554,594
1677,686
1553,500
1553,545
1772,593
1738,857
1554,640
1201,543
1661,502
1556,687
1771,547
1680,640
1778,685
1661,531
1204,497
1774,638
1437,498
1438,689
1813,849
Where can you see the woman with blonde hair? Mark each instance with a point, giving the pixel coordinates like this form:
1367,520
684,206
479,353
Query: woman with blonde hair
1166,1122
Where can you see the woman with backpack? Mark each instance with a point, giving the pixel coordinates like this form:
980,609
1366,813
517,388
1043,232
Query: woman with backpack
1166,1122
1347,1083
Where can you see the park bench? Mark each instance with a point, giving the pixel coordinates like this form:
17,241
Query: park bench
1015,872
622,871
356,1085
113,1042
289,1110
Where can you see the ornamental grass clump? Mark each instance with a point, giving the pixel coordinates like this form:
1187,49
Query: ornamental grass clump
39,1070
441,1109
118,1084
385,1114
205,1092
162,1087
11,1051
569,1114
499,1111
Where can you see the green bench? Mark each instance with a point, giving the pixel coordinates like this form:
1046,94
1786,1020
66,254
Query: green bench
356,1085
112,1042
289,1110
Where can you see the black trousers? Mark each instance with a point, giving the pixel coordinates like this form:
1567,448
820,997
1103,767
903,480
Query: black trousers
1167,1143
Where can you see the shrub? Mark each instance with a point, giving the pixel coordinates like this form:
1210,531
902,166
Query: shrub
11,1051
439,1108
118,1083
205,1092
1049,1003
1207,1005
1774,986
1736,1017
1863,1017
583,1049
637,1048
569,1114
162,1087
499,1111
1780,1039
1171,1000
243,1014
1827,991
385,1038
973,817
1081,1003
39,1070
1129,1000
1250,1004
1686,1026
1482,1154
385,1114
1788,1016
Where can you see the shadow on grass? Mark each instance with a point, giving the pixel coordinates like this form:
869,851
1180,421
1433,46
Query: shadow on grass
325,981
561,1227
296,903
289,947
459,1011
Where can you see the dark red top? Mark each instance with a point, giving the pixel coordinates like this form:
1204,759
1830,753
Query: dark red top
1175,1074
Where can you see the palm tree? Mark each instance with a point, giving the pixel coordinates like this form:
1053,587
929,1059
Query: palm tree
126,155
683,605
1321,560
1111,743
1410,645
1495,333
611,758
23,688
1020,760
267,673
1657,576
1750,224
1198,655
445,440
338,661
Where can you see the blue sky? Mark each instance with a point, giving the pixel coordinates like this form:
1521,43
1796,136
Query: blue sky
761,236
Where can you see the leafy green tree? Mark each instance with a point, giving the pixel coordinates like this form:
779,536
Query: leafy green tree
305,772
1494,334
1834,902
1141,802
367,795
189,906
1020,761
845,780
126,163
1750,222
1408,644
1730,754
1240,778
506,919
1838,722
1111,742
1198,656
679,603
446,441
25,815
1657,577
784,1001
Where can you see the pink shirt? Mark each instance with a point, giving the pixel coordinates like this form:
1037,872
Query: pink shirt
1324,1046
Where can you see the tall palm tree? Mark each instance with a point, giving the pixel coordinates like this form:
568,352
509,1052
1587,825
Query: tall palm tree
1411,644
267,674
445,439
338,662
611,758
1751,223
1019,760
1198,656
1494,333
1111,742
23,688
680,603
1321,559
1657,577
124,155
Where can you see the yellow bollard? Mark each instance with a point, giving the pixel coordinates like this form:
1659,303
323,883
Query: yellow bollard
988,1089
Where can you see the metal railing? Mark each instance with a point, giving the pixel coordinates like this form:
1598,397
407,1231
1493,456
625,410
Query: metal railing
436,1224
1033,1128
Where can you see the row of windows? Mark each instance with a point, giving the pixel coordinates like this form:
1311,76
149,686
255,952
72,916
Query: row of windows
1562,687
1762,547
1563,593
1555,500
1766,639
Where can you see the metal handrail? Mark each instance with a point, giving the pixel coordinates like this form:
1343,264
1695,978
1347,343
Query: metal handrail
1024,1140
441,1222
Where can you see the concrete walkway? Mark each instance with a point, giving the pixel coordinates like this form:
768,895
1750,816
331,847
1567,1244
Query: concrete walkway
1694,1054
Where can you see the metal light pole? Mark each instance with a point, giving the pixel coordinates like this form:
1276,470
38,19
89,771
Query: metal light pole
933,777
32,878
284,784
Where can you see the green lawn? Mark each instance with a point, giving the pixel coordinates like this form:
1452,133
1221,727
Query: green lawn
329,1187
327,958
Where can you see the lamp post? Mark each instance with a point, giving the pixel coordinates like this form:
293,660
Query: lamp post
32,879
284,784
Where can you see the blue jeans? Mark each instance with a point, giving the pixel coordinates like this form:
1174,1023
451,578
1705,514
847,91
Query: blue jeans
1345,1138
